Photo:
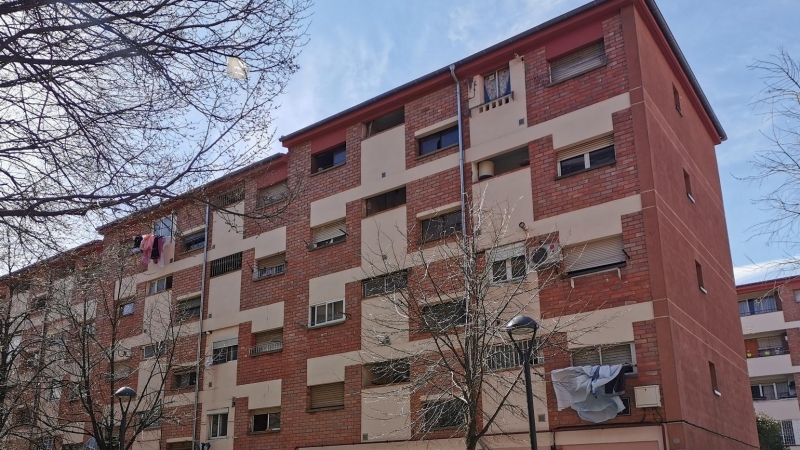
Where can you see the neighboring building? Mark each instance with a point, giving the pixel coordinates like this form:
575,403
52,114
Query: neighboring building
598,134
770,312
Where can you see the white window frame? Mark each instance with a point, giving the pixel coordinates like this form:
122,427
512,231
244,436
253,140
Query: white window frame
269,416
507,255
182,310
153,287
156,349
225,344
215,430
165,223
124,306
312,323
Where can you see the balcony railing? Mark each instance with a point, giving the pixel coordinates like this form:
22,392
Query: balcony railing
762,352
758,311
267,347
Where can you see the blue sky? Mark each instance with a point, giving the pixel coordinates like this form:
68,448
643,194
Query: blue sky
361,48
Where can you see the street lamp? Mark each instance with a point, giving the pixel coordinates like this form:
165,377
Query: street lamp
522,326
128,393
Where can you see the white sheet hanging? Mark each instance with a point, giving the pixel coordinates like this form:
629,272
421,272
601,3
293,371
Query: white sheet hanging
575,388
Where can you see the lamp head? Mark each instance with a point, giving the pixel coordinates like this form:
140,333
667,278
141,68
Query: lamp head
125,392
521,325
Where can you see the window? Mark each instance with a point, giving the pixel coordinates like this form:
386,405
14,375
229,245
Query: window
773,391
506,356
272,194
40,302
329,159
443,414
194,241
713,372
589,155
325,313
677,96
272,265
603,355
496,84
25,416
218,425
503,163
443,316
153,350
88,329
267,342
331,233
53,391
441,226
226,264
595,256
687,182
385,122
387,200
797,296
150,418
508,263
163,226
185,380
385,284
770,346
699,270
387,372
329,395
230,197
46,444
753,306
224,351
439,140
189,309
265,420
126,309
787,432
159,285
577,63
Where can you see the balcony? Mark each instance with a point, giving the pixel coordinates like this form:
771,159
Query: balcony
764,322
267,347
770,365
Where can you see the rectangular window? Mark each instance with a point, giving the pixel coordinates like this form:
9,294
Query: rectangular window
589,155
273,194
224,351
329,395
773,391
53,392
185,380
267,342
506,356
443,414
578,63
270,266
687,182
226,264
603,355
154,350
753,306
159,285
230,197
331,233
797,296
126,309
503,163
189,309
770,346
329,159
508,263
40,302
699,270
46,444
713,372
163,226
441,226
595,256
438,141
265,420
496,84
383,123
387,200
442,317
388,372
325,313
194,241
385,284
217,425
677,97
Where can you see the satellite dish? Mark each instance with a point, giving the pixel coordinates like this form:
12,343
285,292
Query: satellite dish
91,444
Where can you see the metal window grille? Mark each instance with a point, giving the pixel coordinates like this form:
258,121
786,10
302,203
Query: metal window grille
226,264
577,63
787,432
272,265
441,226
235,195
268,341
384,284
329,395
272,194
506,356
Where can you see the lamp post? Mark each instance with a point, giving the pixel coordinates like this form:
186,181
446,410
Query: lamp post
523,326
126,393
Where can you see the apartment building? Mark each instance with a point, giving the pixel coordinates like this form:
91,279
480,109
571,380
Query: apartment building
593,138
770,311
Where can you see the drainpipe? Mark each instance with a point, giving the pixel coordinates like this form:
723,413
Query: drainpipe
200,331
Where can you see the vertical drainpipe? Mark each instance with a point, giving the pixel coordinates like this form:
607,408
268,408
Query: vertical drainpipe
200,332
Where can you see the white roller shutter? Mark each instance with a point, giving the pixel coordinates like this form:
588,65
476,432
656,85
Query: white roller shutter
594,254
507,252
330,231
226,343
578,62
586,147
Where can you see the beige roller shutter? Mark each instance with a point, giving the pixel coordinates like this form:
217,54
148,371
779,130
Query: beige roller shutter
327,395
273,194
589,356
330,231
616,354
594,254
586,147
577,62
269,336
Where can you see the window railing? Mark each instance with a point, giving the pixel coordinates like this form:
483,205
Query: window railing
266,347
263,272
771,351
766,310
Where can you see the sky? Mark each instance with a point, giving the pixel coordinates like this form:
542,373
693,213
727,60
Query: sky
358,49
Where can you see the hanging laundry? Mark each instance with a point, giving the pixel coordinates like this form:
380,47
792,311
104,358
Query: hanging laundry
154,252
137,241
161,242
147,246
584,390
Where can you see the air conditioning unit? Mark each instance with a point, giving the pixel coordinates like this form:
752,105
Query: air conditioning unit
546,255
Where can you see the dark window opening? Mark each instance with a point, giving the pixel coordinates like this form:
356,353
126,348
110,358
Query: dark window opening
714,385
266,421
387,200
699,270
185,380
437,141
329,159
688,184
231,197
444,414
506,162
385,122
194,241
387,372
441,226
384,284
443,316
226,264
189,309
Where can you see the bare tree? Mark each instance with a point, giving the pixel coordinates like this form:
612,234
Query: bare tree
433,326
110,106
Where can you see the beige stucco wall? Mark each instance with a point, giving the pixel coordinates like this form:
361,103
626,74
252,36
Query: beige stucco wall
771,365
762,323
157,313
331,286
383,241
385,413
379,318
606,326
506,421
383,155
126,287
227,228
505,202
266,394
590,223
267,317
330,368
148,440
785,409
269,243
224,294
505,117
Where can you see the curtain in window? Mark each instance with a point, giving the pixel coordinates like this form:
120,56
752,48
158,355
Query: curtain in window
765,305
496,85
744,310
769,342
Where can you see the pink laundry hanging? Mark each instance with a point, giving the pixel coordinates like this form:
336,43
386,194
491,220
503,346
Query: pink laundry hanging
147,247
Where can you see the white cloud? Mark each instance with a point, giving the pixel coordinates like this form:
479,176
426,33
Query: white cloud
767,270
